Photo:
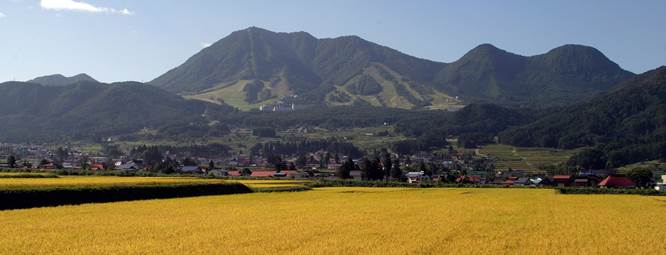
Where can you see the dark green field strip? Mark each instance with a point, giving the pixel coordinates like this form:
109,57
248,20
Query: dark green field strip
282,189
73,195
585,191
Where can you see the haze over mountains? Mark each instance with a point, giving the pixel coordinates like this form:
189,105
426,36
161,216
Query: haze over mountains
256,66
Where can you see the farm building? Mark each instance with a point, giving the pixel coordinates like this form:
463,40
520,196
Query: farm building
416,177
562,180
190,169
617,181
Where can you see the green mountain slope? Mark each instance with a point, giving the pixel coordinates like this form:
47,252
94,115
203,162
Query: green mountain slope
90,110
628,124
297,67
567,74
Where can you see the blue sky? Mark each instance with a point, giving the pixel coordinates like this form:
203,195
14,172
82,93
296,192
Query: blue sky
117,40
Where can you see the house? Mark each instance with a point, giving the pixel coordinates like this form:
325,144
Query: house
190,169
416,177
562,180
356,174
469,179
218,173
617,181
537,181
97,167
262,174
586,181
68,165
333,166
129,166
522,181
661,186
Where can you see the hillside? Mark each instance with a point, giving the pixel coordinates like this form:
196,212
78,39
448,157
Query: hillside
255,67
567,74
626,125
61,80
89,110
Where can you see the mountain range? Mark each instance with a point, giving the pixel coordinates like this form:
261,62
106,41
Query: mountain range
255,67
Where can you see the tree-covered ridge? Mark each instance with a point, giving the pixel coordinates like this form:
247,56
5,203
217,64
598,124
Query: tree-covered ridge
627,125
61,80
91,111
309,70
567,74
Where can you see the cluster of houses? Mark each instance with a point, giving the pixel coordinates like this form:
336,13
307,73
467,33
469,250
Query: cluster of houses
321,165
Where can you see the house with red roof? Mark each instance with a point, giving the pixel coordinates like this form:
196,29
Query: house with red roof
562,180
617,181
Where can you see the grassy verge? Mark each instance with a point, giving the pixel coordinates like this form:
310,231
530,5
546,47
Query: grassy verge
23,197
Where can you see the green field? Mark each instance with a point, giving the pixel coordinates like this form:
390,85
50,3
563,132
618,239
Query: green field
530,159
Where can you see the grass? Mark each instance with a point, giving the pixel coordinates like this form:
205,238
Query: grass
346,221
231,94
530,159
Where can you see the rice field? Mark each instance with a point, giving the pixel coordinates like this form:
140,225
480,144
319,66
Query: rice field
523,158
31,183
97,181
347,221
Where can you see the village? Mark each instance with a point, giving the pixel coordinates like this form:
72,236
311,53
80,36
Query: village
454,167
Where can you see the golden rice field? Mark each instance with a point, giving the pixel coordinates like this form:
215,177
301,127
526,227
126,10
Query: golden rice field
347,221
114,180
97,181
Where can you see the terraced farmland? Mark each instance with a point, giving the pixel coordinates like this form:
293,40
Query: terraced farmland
524,158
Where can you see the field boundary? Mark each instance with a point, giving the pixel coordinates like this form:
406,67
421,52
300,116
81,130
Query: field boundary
609,191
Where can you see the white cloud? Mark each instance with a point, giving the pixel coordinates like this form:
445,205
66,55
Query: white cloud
74,5
2,15
205,45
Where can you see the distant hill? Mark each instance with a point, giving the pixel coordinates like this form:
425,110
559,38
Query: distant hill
564,75
254,66
89,110
627,124
61,80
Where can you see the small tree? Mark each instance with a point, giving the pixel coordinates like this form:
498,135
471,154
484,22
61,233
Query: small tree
188,162
344,171
388,164
246,172
643,177
43,163
366,168
211,165
11,161
396,172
